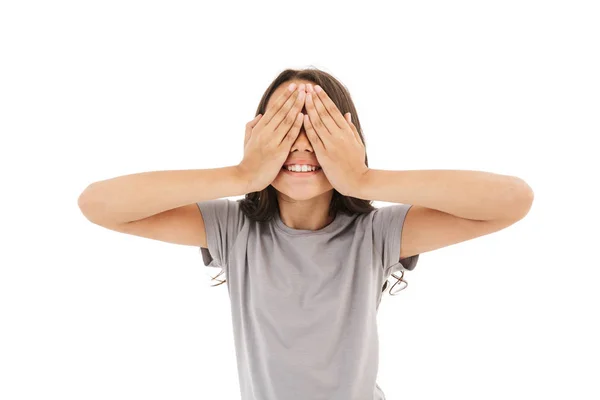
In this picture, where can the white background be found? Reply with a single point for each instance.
(93, 90)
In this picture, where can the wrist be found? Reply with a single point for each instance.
(245, 178)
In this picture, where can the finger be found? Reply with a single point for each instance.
(293, 132)
(315, 118)
(354, 130)
(284, 113)
(249, 126)
(280, 107)
(329, 105)
(329, 123)
(314, 138)
(291, 116)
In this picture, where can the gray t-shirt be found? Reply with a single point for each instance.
(304, 303)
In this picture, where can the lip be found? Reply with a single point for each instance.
(303, 161)
(301, 174)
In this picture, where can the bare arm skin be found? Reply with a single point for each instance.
(160, 205)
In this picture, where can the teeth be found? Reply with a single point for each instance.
(301, 168)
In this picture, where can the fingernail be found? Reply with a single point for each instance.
(318, 89)
(292, 87)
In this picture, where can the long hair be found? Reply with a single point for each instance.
(262, 206)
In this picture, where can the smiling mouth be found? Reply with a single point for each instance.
(284, 167)
(307, 173)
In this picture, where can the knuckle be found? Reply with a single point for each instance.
(279, 105)
(285, 103)
(289, 118)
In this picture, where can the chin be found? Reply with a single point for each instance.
(302, 192)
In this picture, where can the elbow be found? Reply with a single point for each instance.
(523, 199)
(86, 203)
(84, 197)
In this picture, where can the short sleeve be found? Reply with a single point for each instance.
(388, 222)
(222, 222)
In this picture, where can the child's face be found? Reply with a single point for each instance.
(300, 187)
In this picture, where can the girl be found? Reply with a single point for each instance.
(307, 256)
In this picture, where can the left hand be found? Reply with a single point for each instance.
(337, 144)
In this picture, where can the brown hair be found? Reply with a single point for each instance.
(262, 206)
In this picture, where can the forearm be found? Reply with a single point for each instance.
(467, 194)
(137, 196)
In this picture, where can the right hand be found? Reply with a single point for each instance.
(269, 138)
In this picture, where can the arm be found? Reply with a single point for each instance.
(448, 207)
(134, 197)
(474, 195)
